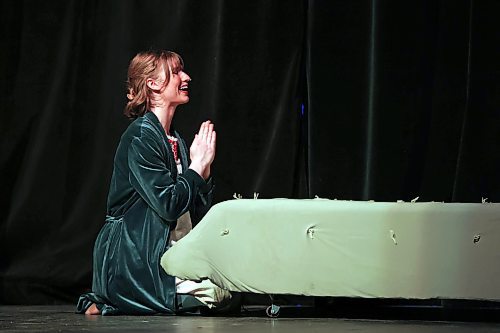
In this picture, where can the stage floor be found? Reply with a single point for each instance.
(61, 318)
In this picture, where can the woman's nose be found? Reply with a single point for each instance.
(185, 76)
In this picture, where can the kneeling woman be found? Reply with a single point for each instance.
(156, 188)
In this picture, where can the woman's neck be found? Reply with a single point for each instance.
(165, 114)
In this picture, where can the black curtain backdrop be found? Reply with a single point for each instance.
(355, 100)
(405, 102)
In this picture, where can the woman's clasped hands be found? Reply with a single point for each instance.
(202, 151)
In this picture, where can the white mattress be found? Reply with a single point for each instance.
(345, 248)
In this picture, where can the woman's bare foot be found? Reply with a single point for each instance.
(92, 310)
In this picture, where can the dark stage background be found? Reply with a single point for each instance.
(352, 99)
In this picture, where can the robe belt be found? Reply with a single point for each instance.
(113, 219)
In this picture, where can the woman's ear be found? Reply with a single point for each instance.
(152, 84)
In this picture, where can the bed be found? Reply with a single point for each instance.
(319, 247)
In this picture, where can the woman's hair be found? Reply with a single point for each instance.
(143, 66)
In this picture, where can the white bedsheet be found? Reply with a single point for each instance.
(345, 248)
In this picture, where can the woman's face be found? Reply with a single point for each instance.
(177, 90)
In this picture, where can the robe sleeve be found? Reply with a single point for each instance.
(203, 202)
(152, 179)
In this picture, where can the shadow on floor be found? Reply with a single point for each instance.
(287, 306)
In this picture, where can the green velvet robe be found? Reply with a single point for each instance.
(146, 197)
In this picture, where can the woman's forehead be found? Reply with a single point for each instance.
(175, 63)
